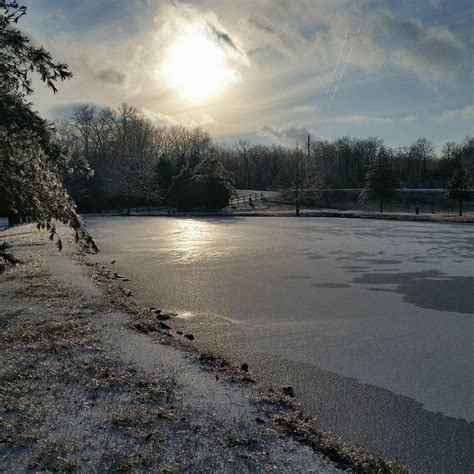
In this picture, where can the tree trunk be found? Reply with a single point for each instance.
(247, 167)
(460, 208)
(381, 205)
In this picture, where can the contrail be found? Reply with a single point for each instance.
(350, 53)
(349, 29)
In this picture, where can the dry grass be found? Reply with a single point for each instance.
(49, 336)
(53, 456)
(142, 423)
(287, 417)
(40, 293)
(57, 376)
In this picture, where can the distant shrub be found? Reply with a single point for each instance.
(208, 186)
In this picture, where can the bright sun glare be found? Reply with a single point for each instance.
(196, 67)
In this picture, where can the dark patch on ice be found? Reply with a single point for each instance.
(430, 289)
(354, 267)
(385, 261)
(317, 257)
(331, 285)
(295, 277)
(385, 270)
(421, 260)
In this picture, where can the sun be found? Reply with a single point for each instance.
(196, 66)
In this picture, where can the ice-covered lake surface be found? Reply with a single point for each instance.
(371, 321)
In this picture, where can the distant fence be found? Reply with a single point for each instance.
(422, 201)
(409, 207)
(247, 198)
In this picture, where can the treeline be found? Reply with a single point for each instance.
(136, 163)
(344, 162)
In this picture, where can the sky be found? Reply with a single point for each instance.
(269, 71)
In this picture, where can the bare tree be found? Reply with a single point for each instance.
(243, 149)
(302, 178)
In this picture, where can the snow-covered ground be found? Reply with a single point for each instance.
(370, 321)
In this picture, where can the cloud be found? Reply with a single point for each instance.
(178, 19)
(305, 109)
(191, 120)
(285, 40)
(65, 111)
(357, 119)
(196, 120)
(223, 36)
(290, 135)
(112, 76)
(457, 114)
(432, 52)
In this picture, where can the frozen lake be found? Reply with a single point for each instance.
(371, 321)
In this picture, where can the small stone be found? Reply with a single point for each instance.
(288, 391)
(164, 326)
(244, 367)
(125, 279)
(162, 317)
(157, 311)
(113, 261)
(189, 336)
(179, 332)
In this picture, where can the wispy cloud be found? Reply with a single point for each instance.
(305, 109)
(367, 120)
(186, 120)
(465, 113)
(291, 135)
(177, 19)
(112, 75)
(281, 38)
(432, 52)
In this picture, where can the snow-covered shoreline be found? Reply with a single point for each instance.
(467, 218)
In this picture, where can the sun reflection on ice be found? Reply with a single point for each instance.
(194, 241)
(191, 243)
